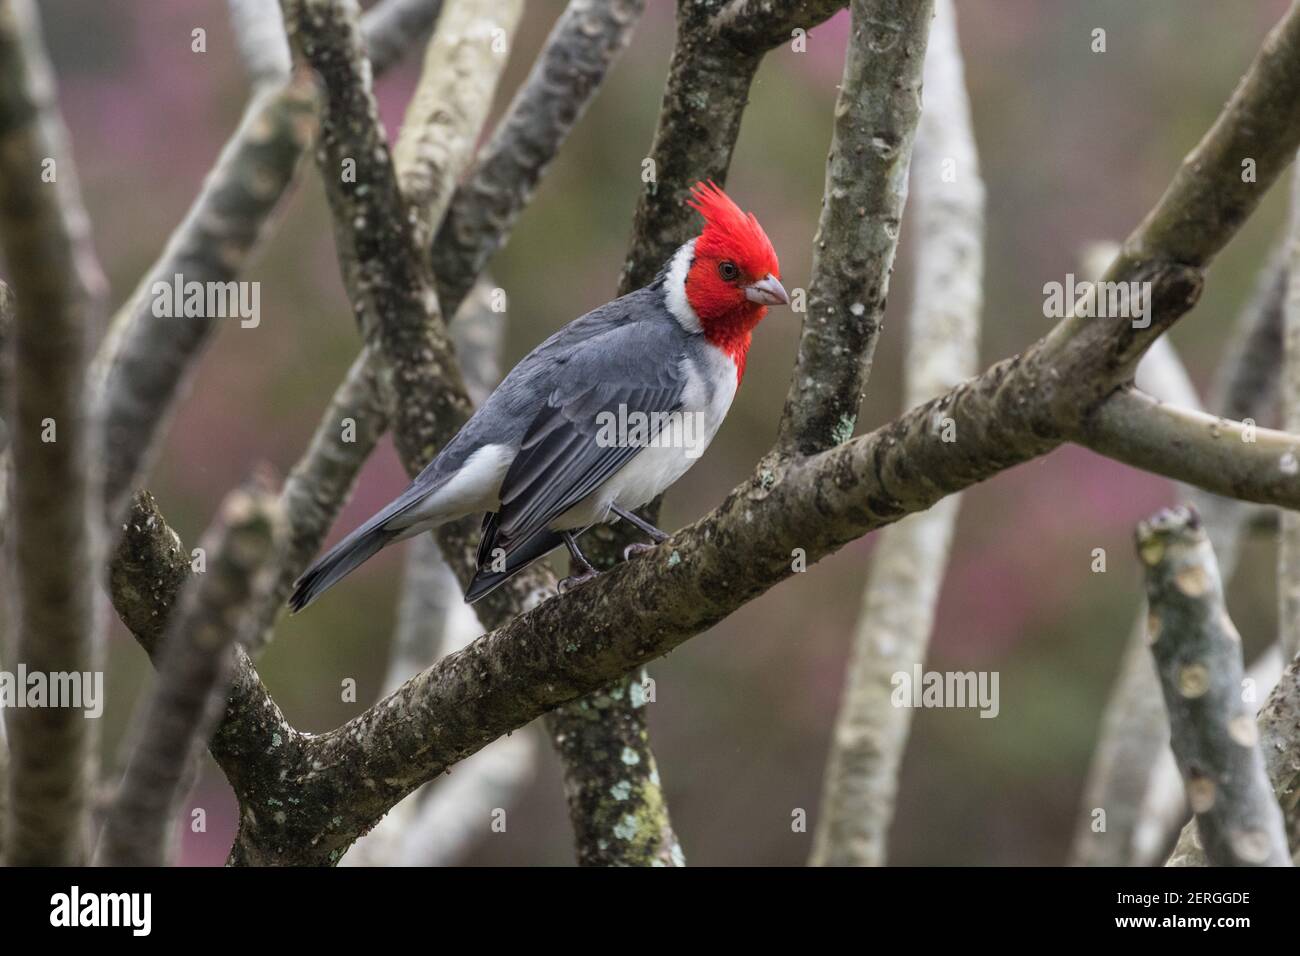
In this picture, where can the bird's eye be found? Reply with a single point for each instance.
(728, 271)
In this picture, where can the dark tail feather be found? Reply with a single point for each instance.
(344, 558)
(518, 556)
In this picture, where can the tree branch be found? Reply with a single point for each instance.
(259, 38)
(876, 114)
(1133, 777)
(1215, 736)
(59, 291)
(908, 564)
(176, 719)
(390, 290)
(699, 121)
(1226, 457)
(145, 360)
(461, 67)
(583, 45)
(570, 646)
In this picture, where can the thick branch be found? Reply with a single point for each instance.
(148, 572)
(174, 722)
(59, 292)
(908, 565)
(876, 114)
(1214, 734)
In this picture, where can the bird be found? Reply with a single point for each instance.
(596, 421)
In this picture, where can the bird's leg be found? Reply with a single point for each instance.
(645, 527)
(579, 560)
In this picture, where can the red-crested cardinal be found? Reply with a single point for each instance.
(597, 420)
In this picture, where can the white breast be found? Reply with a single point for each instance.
(710, 387)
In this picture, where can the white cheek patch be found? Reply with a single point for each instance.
(675, 289)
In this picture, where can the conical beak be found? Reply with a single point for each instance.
(767, 291)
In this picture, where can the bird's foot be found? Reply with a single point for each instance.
(575, 580)
(637, 547)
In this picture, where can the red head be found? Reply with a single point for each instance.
(735, 276)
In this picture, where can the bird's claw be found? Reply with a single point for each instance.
(635, 548)
(574, 580)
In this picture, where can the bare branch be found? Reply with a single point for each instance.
(53, 497)
(1133, 777)
(145, 361)
(1215, 736)
(1225, 457)
(876, 114)
(438, 823)
(611, 780)
(259, 37)
(148, 573)
(146, 357)
(583, 45)
(464, 71)
(461, 68)
(696, 133)
(1278, 719)
(390, 290)
(391, 27)
(756, 26)
(908, 564)
(174, 722)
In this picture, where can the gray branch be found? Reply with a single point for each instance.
(1214, 734)
(259, 38)
(53, 496)
(908, 564)
(461, 68)
(1132, 771)
(583, 45)
(876, 115)
(175, 720)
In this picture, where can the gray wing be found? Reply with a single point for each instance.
(561, 460)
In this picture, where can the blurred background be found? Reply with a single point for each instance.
(1074, 146)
